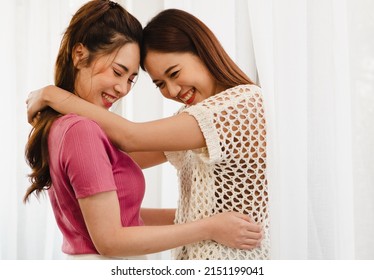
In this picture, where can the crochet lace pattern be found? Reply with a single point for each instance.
(227, 175)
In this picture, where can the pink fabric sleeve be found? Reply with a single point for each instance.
(85, 159)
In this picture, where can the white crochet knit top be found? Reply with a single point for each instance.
(229, 174)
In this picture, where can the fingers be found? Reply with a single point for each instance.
(248, 243)
(29, 117)
(35, 119)
(249, 246)
(244, 233)
(245, 217)
(250, 224)
(27, 101)
(254, 241)
(32, 117)
(253, 236)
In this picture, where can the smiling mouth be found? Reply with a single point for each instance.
(188, 97)
(108, 100)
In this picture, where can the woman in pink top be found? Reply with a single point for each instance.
(95, 189)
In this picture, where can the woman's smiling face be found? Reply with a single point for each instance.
(108, 78)
(182, 77)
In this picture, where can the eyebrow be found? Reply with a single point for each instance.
(167, 71)
(125, 68)
(170, 68)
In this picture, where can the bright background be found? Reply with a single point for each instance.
(315, 62)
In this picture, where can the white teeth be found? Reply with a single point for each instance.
(108, 98)
(188, 96)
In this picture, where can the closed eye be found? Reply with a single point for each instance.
(174, 74)
(159, 85)
(132, 79)
(117, 73)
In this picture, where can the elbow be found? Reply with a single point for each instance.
(112, 250)
(113, 246)
(108, 245)
(107, 249)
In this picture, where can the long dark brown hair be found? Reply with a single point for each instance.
(177, 31)
(102, 27)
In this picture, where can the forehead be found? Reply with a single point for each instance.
(157, 62)
(128, 55)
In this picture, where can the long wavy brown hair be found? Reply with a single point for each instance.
(176, 31)
(102, 27)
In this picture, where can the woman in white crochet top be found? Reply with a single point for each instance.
(217, 140)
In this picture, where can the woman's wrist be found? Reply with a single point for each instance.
(206, 227)
(46, 95)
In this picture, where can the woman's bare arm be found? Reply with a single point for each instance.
(180, 132)
(157, 216)
(102, 216)
(148, 159)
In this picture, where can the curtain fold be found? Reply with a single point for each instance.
(361, 46)
(8, 149)
(33, 32)
(303, 55)
(279, 40)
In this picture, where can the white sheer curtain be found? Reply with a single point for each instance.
(30, 38)
(314, 61)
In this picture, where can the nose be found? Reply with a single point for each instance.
(121, 89)
(173, 89)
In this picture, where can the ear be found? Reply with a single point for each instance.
(79, 53)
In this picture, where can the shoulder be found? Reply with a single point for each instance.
(242, 95)
(71, 120)
(76, 135)
(74, 124)
(240, 92)
(229, 98)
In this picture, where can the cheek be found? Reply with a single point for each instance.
(165, 93)
(208, 84)
(84, 85)
(167, 96)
